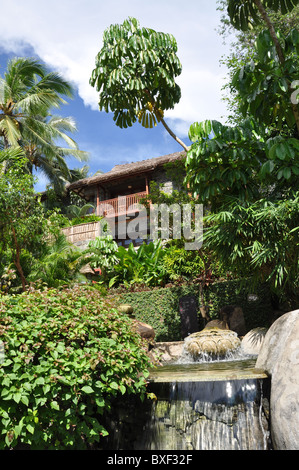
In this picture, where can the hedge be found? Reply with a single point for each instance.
(159, 307)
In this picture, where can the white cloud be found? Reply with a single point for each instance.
(67, 35)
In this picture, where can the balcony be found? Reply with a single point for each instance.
(122, 205)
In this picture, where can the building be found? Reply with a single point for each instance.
(116, 194)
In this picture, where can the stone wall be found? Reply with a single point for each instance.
(165, 183)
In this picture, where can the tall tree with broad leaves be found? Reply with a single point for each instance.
(135, 75)
(245, 13)
(247, 174)
(28, 94)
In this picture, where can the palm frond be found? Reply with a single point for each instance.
(21, 74)
(10, 129)
(11, 153)
(54, 82)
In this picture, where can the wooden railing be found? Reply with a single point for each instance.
(79, 234)
(120, 205)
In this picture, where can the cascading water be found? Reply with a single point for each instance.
(218, 415)
(205, 404)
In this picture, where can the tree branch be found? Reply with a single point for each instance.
(179, 141)
(173, 135)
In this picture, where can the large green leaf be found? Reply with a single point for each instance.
(135, 74)
(244, 13)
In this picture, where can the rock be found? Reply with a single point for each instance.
(126, 308)
(234, 317)
(146, 331)
(211, 341)
(222, 325)
(279, 357)
(168, 351)
(253, 340)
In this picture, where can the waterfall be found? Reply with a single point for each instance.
(208, 405)
(218, 415)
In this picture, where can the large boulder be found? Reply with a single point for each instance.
(253, 340)
(234, 317)
(168, 352)
(146, 331)
(279, 357)
(222, 325)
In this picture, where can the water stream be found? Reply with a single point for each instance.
(219, 405)
(207, 405)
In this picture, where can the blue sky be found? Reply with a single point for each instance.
(67, 34)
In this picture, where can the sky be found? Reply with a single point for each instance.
(67, 35)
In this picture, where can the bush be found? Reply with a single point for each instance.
(67, 354)
(127, 267)
(85, 219)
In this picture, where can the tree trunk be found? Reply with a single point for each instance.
(173, 135)
(17, 260)
(279, 51)
(204, 310)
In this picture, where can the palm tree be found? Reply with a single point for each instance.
(60, 264)
(28, 93)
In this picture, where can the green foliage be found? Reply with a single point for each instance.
(263, 84)
(282, 166)
(127, 266)
(246, 174)
(142, 266)
(84, 219)
(159, 307)
(31, 244)
(59, 264)
(181, 264)
(67, 355)
(224, 160)
(242, 49)
(22, 222)
(103, 253)
(28, 95)
(79, 211)
(261, 240)
(135, 74)
(245, 13)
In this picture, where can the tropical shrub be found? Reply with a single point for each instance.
(260, 239)
(180, 263)
(59, 264)
(84, 219)
(103, 254)
(67, 353)
(23, 226)
(127, 266)
(141, 266)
